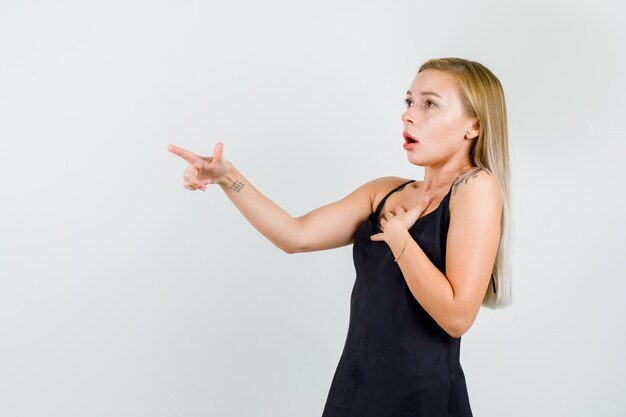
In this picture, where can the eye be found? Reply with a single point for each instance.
(408, 102)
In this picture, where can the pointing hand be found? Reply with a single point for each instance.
(202, 170)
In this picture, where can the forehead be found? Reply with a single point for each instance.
(443, 83)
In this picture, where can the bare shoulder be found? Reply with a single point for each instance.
(381, 186)
(478, 188)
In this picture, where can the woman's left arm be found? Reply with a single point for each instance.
(453, 299)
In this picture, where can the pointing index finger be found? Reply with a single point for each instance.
(183, 153)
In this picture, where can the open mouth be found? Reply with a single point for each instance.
(409, 139)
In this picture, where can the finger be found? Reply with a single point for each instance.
(193, 186)
(200, 169)
(188, 156)
(218, 151)
(198, 184)
(399, 210)
(422, 204)
(192, 174)
(377, 237)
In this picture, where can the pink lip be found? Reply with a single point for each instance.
(406, 136)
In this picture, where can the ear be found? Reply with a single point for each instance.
(473, 129)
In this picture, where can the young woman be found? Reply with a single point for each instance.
(428, 253)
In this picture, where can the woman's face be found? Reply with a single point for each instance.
(435, 117)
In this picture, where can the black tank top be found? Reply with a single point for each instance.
(397, 361)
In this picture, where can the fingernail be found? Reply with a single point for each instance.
(426, 199)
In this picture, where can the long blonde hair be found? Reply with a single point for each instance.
(483, 97)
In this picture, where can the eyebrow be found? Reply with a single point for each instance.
(426, 93)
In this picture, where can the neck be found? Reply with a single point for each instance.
(436, 178)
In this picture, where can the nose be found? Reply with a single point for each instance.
(406, 117)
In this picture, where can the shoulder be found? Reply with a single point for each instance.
(375, 190)
(381, 186)
(477, 189)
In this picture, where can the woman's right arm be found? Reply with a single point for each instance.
(262, 213)
(326, 227)
(330, 226)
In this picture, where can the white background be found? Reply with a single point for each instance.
(123, 294)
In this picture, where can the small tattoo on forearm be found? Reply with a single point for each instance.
(237, 186)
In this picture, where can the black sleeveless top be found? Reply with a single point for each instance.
(397, 361)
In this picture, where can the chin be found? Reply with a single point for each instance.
(415, 160)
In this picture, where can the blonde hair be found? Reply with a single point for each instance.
(483, 97)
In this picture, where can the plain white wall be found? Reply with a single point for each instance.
(123, 294)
